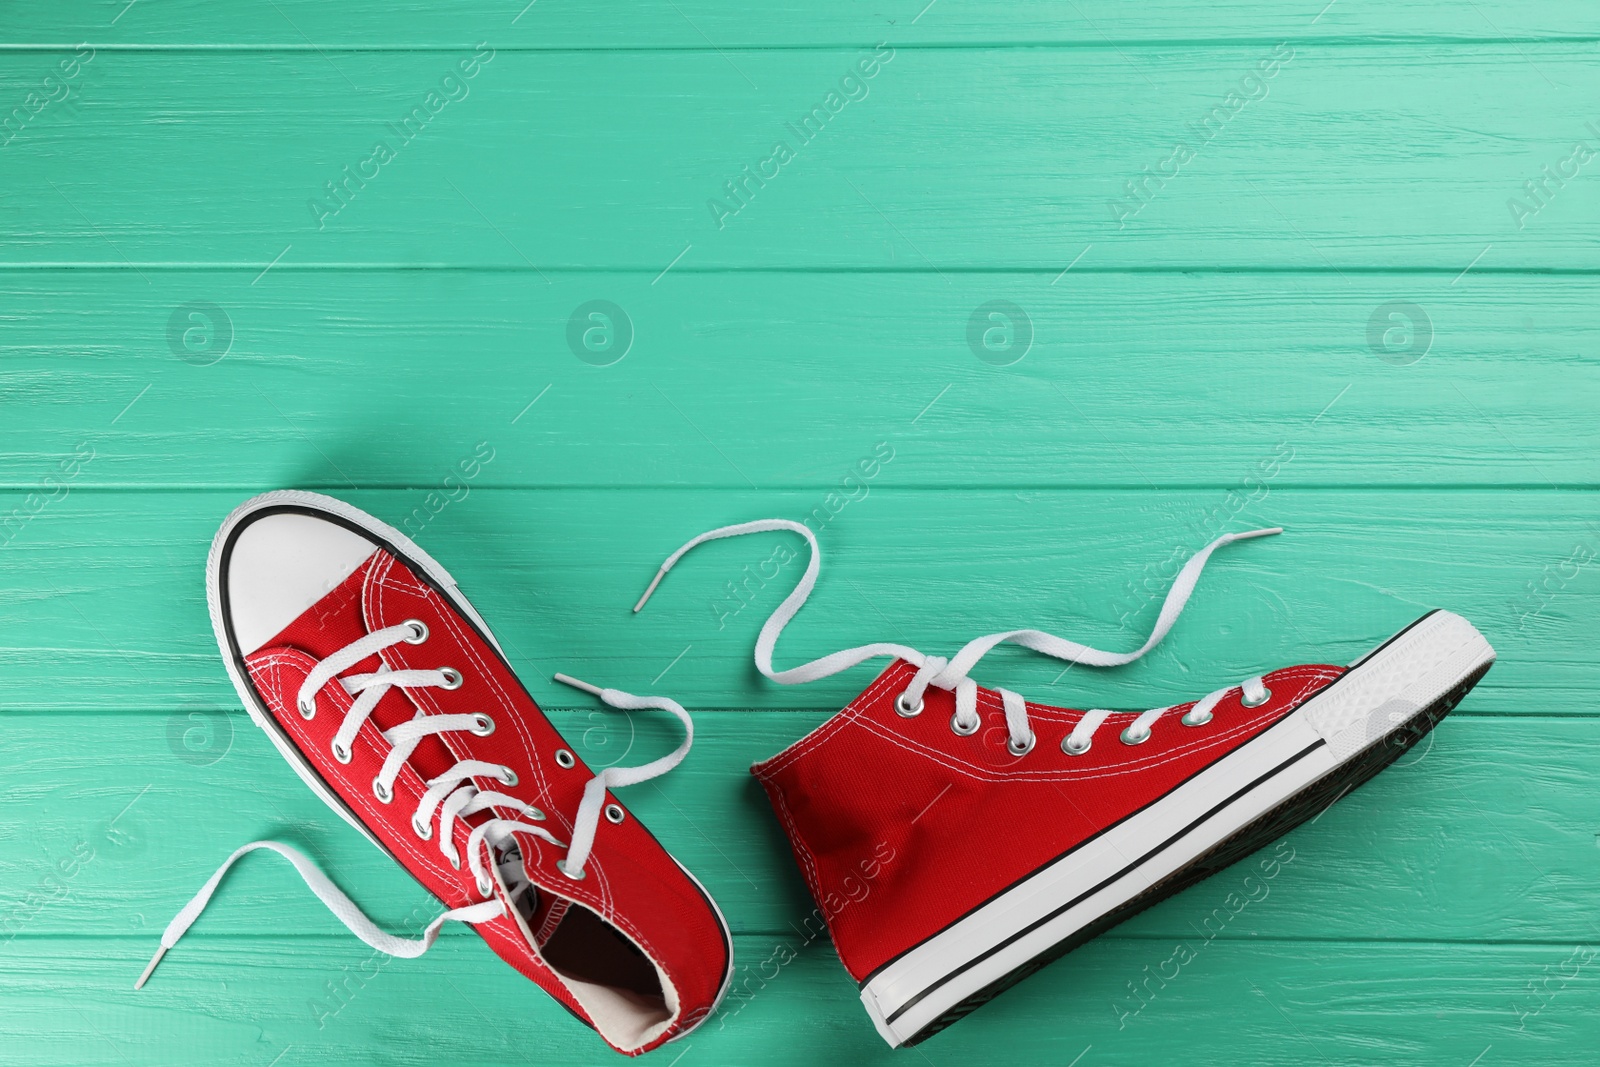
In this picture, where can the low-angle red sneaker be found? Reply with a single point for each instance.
(389, 696)
(958, 838)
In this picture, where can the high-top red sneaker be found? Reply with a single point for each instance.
(1084, 817)
(387, 693)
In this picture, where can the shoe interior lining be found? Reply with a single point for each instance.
(625, 994)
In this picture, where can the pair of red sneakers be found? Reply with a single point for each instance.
(391, 698)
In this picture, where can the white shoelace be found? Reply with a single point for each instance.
(452, 795)
(952, 674)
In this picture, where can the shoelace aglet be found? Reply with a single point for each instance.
(660, 574)
(567, 679)
(151, 966)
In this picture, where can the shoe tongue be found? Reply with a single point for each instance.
(548, 912)
(341, 617)
(386, 574)
(542, 911)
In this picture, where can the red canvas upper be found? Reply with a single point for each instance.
(901, 826)
(631, 882)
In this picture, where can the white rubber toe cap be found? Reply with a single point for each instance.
(281, 564)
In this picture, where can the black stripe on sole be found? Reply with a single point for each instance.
(1109, 879)
(998, 894)
(1267, 828)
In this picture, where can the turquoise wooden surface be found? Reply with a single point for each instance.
(1347, 313)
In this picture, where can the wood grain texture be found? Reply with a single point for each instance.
(1444, 847)
(1350, 158)
(116, 580)
(1356, 1003)
(790, 380)
(1347, 314)
(703, 24)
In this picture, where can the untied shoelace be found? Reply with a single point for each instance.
(953, 674)
(452, 795)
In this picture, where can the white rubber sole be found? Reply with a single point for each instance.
(262, 716)
(1402, 682)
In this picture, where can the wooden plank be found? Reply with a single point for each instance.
(1217, 350)
(108, 588)
(1350, 158)
(307, 1000)
(701, 24)
(784, 380)
(142, 816)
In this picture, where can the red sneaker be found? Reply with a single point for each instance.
(387, 693)
(1084, 817)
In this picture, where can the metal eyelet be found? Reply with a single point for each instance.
(419, 629)
(1025, 749)
(308, 709)
(533, 813)
(452, 678)
(423, 830)
(1266, 695)
(508, 777)
(562, 867)
(1195, 718)
(905, 710)
(614, 813)
(482, 725)
(1136, 735)
(383, 794)
(565, 760)
(486, 890)
(340, 753)
(1075, 748)
(959, 730)
(455, 861)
